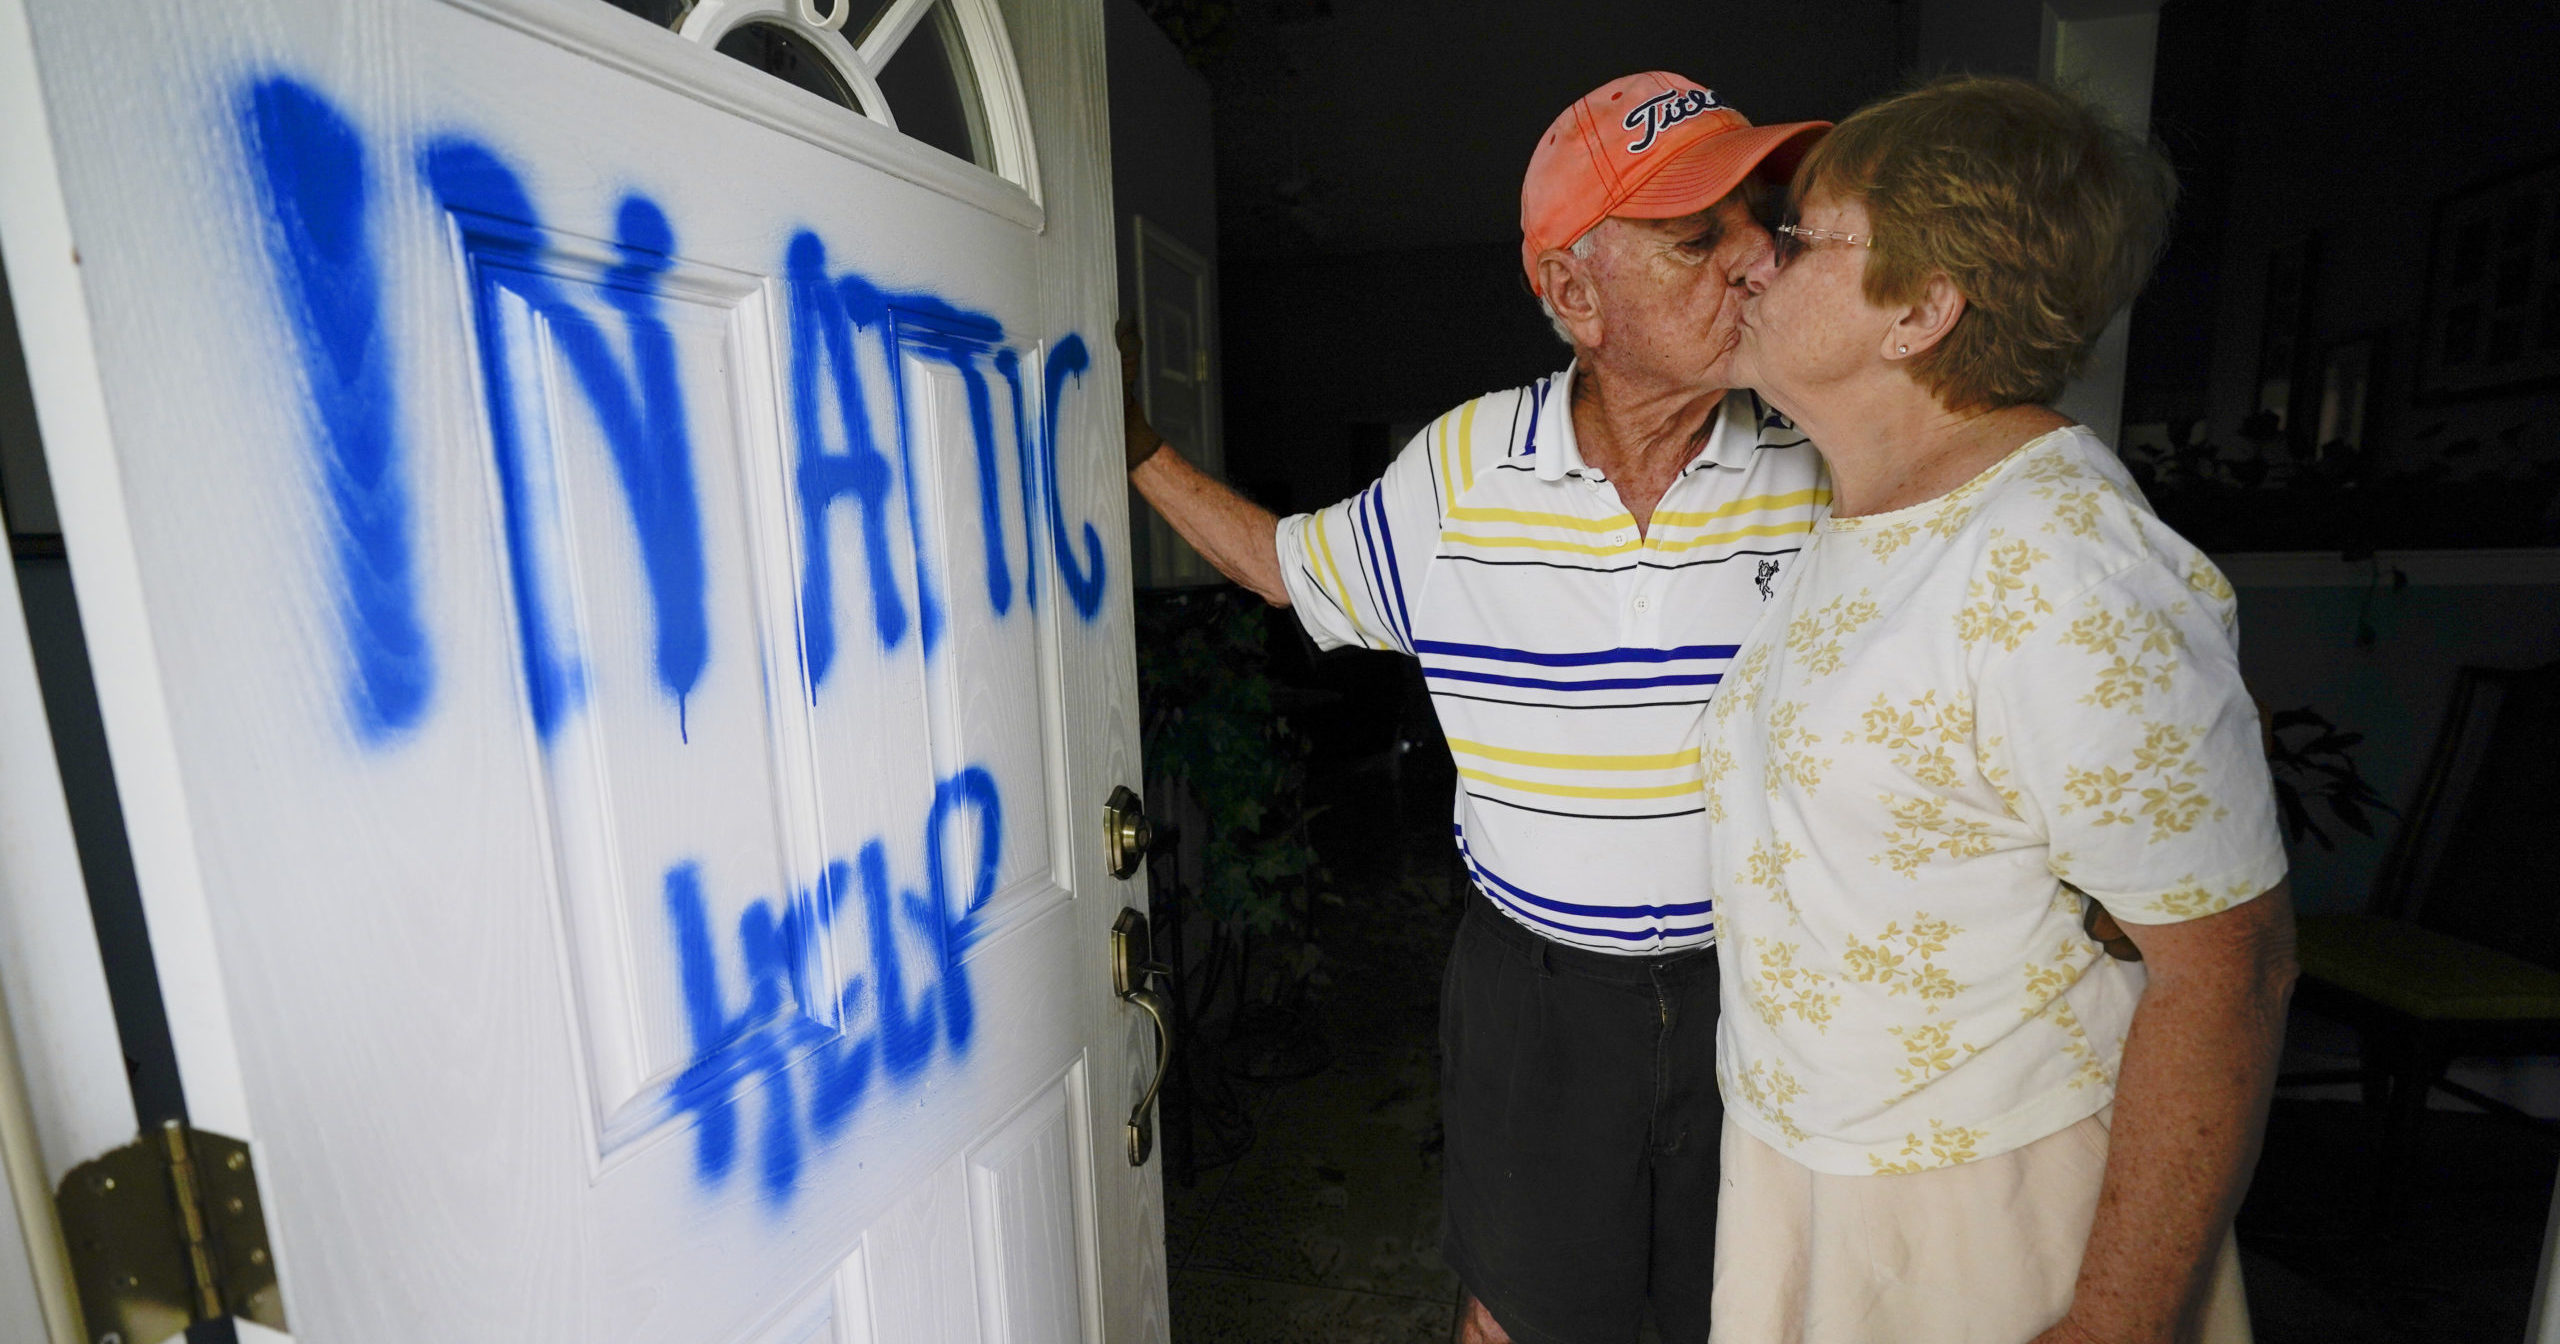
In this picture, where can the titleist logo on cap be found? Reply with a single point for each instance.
(1663, 111)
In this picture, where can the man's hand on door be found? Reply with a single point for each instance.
(1139, 437)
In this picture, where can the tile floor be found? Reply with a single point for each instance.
(1328, 1228)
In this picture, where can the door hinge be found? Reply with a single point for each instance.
(168, 1231)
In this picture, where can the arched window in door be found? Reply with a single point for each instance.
(938, 71)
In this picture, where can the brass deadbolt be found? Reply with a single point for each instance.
(1126, 833)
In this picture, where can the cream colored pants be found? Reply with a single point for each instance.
(1982, 1253)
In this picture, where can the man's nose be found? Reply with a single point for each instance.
(1754, 267)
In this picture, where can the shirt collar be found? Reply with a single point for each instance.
(1743, 425)
(1558, 453)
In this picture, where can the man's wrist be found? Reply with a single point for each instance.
(2069, 1330)
(1144, 446)
(1139, 439)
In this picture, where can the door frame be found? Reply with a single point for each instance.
(1170, 560)
(1146, 234)
(51, 980)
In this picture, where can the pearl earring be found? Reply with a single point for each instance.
(1902, 349)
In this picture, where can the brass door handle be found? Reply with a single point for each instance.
(1130, 971)
(1126, 832)
(1142, 1130)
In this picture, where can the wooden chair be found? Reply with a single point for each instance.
(2461, 954)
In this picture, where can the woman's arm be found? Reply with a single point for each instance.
(2191, 1108)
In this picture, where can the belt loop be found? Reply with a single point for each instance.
(1546, 962)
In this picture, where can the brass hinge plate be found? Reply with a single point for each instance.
(167, 1231)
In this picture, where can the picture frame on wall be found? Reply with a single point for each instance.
(2284, 375)
(2342, 418)
(2491, 322)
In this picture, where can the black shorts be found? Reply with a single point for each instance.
(1578, 1091)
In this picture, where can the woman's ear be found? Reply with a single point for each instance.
(1927, 321)
(1565, 282)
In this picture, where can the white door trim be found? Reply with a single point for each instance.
(34, 1225)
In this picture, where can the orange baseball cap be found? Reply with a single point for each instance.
(1649, 146)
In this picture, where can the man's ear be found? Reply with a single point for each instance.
(1565, 282)
(1927, 321)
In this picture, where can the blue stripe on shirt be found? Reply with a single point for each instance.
(1371, 522)
(1537, 402)
(1571, 908)
(1364, 558)
(1492, 654)
(1395, 574)
(1486, 882)
(1599, 684)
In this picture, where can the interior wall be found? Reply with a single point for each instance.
(1327, 353)
(1164, 169)
(2298, 648)
(1981, 37)
(2202, 54)
(1370, 154)
(1163, 153)
(1356, 126)
(2352, 130)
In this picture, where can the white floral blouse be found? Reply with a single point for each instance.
(1957, 718)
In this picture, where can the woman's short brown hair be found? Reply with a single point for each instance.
(2044, 213)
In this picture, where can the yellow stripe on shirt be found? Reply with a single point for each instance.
(1585, 790)
(1481, 514)
(1753, 504)
(1324, 545)
(1557, 760)
(1793, 499)
(1800, 526)
(1790, 529)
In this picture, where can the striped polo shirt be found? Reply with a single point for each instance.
(1570, 659)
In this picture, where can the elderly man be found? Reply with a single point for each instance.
(1573, 562)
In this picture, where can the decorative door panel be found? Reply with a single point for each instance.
(628, 499)
(1028, 1200)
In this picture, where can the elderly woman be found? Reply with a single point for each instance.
(1995, 692)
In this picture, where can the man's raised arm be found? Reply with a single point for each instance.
(1237, 535)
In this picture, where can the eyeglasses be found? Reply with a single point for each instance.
(1792, 240)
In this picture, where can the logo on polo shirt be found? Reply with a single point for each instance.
(1663, 111)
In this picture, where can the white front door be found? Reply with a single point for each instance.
(594, 556)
